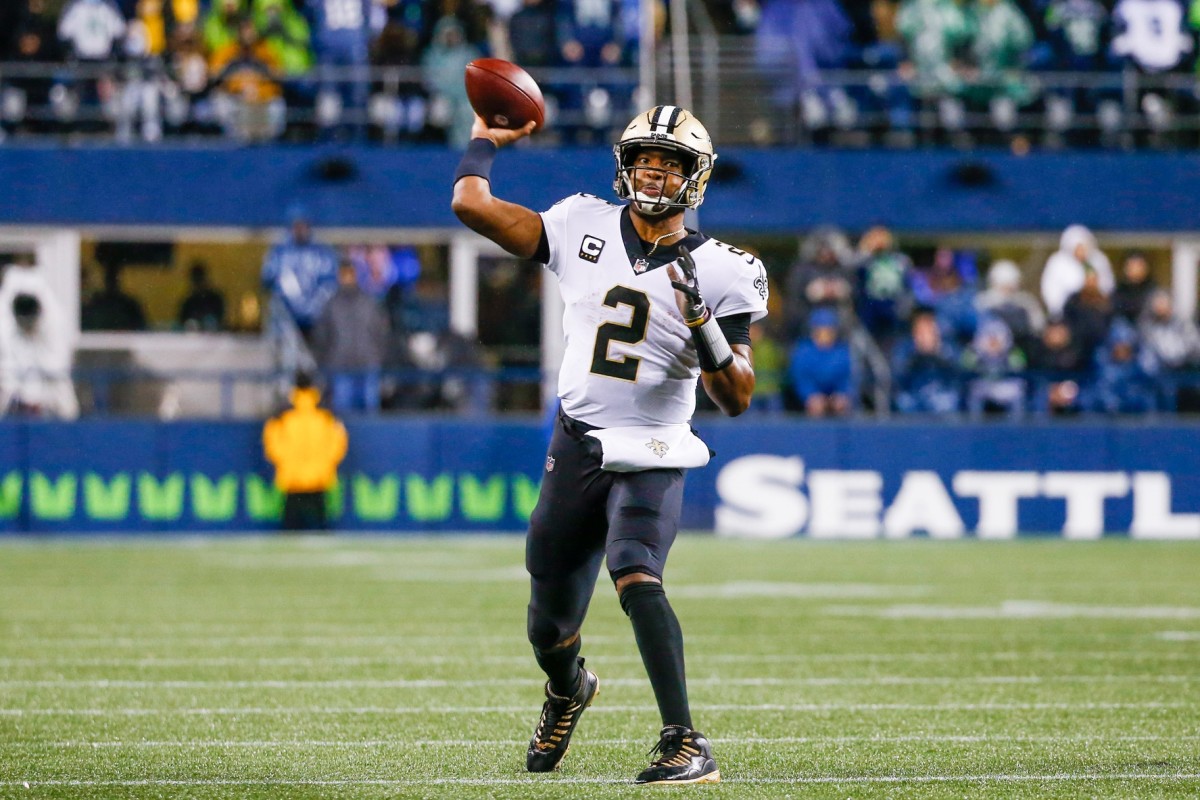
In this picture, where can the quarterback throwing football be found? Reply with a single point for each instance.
(650, 307)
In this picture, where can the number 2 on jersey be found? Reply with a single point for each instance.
(622, 367)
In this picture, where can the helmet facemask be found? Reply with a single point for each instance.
(676, 131)
(651, 206)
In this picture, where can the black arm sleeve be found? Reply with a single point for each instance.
(736, 328)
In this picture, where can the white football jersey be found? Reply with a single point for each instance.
(629, 357)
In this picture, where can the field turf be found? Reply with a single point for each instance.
(398, 667)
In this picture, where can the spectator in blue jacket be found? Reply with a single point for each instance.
(948, 287)
(301, 275)
(925, 370)
(820, 371)
(1125, 375)
(996, 385)
(341, 35)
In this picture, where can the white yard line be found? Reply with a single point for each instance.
(1017, 610)
(726, 743)
(438, 683)
(559, 780)
(608, 658)
(605, 709)
(15, 638)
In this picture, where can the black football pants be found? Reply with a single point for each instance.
(585, 515)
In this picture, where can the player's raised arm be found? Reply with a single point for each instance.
(514, 227)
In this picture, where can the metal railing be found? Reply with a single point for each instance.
(148, 101)
(257, 393)
(743, 103)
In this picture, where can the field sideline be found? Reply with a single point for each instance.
(372, 667)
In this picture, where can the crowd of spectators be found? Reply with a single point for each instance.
(375, 326)
(1122, 65)
(1089, 70)
(856, 328)
(867, 328)
(264, 69)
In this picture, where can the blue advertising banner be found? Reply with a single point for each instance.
(768, 479)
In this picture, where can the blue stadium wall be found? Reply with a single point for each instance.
(769, 479)
(769, 191)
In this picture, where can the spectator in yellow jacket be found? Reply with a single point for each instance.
(305, 443)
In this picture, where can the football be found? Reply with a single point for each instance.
(505, 95)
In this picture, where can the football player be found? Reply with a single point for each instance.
(650, 307)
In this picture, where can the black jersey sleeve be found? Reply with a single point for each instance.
(736, 328)
(542, 254)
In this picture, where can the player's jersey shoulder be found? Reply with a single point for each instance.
(726, 255)
(580, 201)
(745, 265)
(744, 274)
(579, 223)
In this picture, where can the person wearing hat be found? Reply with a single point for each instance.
(1005, 299)
(820, 372)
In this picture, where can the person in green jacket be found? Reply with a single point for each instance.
(285, 31)
(221, 26)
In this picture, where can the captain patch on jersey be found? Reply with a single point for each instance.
(624, 333)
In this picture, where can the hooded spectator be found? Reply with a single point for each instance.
(819, 279)
(306, 444)
(1004, 298)
(443, 65)
(996, 365)
(35, 361)
(1065, 270)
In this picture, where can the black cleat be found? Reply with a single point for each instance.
(552, 737)
(684, 757)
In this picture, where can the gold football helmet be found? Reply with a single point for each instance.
(668, 128)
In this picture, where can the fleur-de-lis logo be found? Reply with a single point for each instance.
(658, 448)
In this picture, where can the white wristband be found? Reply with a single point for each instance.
(713, 347)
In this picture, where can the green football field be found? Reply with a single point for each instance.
(397, 667)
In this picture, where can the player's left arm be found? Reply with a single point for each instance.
(726, 370)
(731, 386)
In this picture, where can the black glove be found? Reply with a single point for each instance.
(694, 309)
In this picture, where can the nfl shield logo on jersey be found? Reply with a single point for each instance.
(641, 265)
(549, 463)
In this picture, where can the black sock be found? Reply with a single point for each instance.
(660, 641)
(561, 667)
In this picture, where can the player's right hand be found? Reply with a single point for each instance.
(500, 136)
